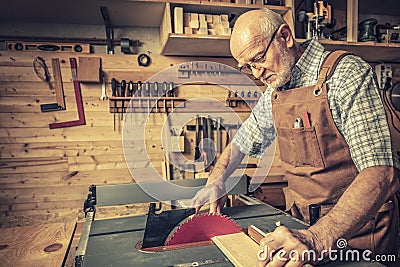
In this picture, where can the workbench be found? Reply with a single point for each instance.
(112, 241)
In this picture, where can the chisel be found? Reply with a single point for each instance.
(114, 94)
(123, 90)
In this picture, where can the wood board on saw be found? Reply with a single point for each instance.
(240, 249)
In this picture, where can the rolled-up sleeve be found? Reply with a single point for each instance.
(257, 132)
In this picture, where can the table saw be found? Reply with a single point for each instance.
(118, 241)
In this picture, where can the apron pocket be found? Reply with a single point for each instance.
(287, 149)
(307, 147)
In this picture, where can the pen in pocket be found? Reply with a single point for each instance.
(307, 122)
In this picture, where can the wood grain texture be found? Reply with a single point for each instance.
(39, 245)
(240, 249)
(39, 167)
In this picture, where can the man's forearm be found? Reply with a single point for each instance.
(369, 190)
(230, 159)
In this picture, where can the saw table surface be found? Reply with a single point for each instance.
(112, 241)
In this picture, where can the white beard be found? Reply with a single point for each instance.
(283, 76)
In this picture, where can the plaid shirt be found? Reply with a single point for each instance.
(355, 105)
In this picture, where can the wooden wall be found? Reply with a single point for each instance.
(44, 173)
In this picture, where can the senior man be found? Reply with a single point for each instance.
(334, 141)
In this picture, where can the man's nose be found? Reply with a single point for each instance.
(257, 71)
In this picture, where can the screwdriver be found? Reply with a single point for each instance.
(147, 94)
(164, 94)
(139, 93)
(171, 93)
(130, 88)
(123, 90)
(156, 94)
(114, 94)
(130, 94)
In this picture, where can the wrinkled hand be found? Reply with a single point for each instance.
(213, 193)
(285, 247)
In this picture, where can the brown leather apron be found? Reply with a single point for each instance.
(317, 161)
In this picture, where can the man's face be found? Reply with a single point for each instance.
(270, 64)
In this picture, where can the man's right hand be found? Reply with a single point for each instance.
(213, 193)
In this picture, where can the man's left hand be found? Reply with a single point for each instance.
(285, 247)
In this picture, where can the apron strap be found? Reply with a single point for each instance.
(328, 67)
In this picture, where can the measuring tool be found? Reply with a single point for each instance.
(78, 96)
(60, 105)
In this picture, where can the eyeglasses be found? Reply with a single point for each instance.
(248, 68)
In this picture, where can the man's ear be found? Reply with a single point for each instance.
(286, 35)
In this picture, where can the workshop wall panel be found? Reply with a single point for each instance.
(45, 173)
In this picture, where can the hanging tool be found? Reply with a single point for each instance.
(109, 30)
(123, 90)
(197, 153)
(164, 95)
(205, 150)
(38, 64)
(210, 142)
(147, 94)
(60, 105)
(144, 60)
(114, 85)
(130, 88)
(218, 139)
(316, 16)
(78, 96)
(156, 94)
(103, 87)
(171, 94)
(139, 93)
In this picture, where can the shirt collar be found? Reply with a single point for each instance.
(310, 61)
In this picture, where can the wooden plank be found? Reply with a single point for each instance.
(37, 165)
(40, 245)
(27, 218)
(86, 178)
(38, 119)
(240, 249)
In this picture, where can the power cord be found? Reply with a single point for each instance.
(387, 101)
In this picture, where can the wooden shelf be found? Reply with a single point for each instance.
(173, 44)
(196, 45)
(369, 51)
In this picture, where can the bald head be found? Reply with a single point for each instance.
(253, 28)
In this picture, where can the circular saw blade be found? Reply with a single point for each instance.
(202, 228)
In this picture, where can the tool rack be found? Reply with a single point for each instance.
(145, 104)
